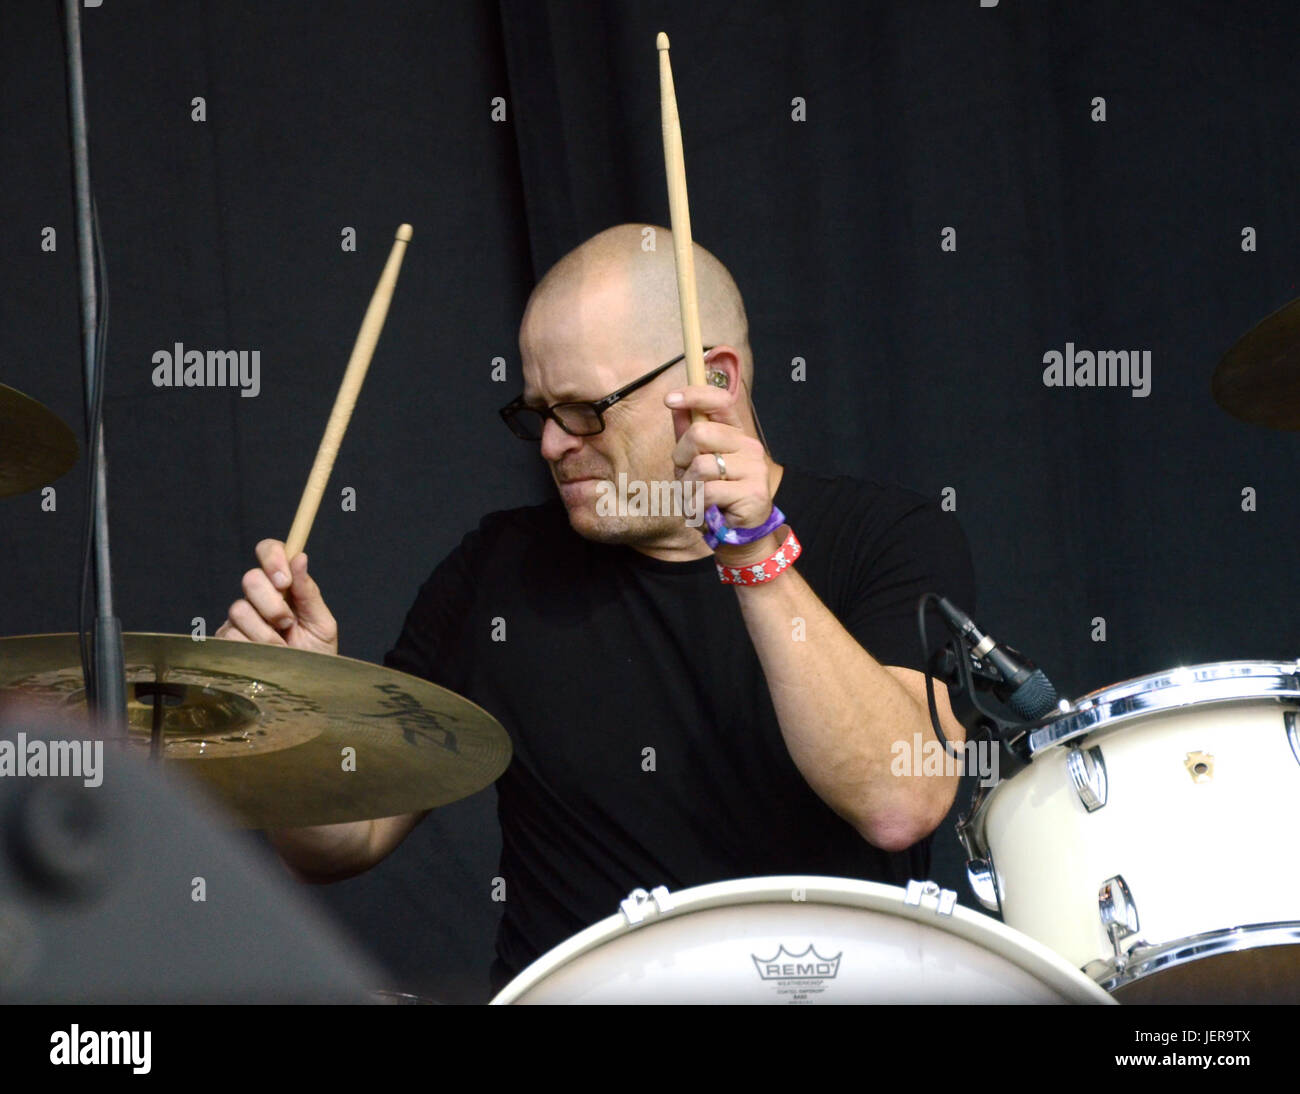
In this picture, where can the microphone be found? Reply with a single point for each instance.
(1024, 687)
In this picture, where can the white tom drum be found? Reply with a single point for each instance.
(800, 940)
(1152, 839)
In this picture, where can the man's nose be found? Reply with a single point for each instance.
(556, 443)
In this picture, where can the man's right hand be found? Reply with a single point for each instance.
(281, 605)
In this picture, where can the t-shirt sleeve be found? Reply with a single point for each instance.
(922, 551)
(432, 643)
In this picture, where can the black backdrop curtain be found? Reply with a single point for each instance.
(924, 365)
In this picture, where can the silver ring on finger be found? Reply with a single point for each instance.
(722, 466)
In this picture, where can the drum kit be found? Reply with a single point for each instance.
(1138, 852)
(1138, 857)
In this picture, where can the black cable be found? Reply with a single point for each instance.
(921, 606)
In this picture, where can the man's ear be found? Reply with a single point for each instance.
(722, 361)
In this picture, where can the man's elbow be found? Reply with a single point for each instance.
(319, 876)
(894, 834)
(897, 828)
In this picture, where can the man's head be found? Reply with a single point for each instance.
(604, 315)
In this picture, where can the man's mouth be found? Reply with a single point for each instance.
(569, 479)
(577, 490)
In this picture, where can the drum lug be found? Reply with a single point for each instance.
(1293, 733)
(1087, 772)
(916, 890)
(979, 876)
(979, 861)
(640, 905)
(1119, 915)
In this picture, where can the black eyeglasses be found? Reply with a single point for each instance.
(576, 419)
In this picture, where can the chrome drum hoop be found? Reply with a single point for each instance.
(1187, 686)
(1143, 961)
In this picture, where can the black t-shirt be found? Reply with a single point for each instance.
(593, 654)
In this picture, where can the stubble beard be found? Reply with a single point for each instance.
(619, 529)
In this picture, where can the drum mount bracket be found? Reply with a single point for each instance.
(917, 891)
(640, 905)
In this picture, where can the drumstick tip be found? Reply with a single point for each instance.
(404, 233)
(661, 42)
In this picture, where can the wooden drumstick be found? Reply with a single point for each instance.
(679, 212)
(346, 399)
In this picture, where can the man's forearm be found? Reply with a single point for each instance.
(840, 713)
(329, 852)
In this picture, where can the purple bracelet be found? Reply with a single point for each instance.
(719, 533)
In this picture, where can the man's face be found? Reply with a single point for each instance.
(579, 346)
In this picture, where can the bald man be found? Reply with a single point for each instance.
(683, 709)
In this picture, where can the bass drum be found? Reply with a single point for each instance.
(800, 940)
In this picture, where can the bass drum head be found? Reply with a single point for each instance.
(801, 940)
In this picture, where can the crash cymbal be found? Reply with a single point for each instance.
(1258, 380)
(35, 446)
(268, 729)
